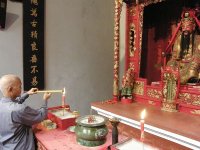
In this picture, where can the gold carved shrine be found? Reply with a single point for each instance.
(162, 49)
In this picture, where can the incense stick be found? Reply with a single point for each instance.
(50, 91)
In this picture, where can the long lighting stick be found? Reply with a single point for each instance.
(50, 91)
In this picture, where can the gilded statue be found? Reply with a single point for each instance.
(127, 84)
(185, 53)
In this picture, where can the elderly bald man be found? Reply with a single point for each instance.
(17, 118)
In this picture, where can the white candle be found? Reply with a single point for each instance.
(63, 97)
(63, 100)
(142, 125)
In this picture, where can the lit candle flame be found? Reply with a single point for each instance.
(143, 114)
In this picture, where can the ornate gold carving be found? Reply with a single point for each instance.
(132, 11)
(132, 47)
(118, 7)
(150, 2)
(140, 31)
(170, 88)
(191, 99)
(132, 66)
(154, 93)
(169, 91)
(170, 107)
(138, 88)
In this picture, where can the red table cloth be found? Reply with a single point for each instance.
(57, 139)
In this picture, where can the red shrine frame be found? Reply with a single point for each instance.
(160, 87)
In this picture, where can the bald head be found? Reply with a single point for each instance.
(8, 84)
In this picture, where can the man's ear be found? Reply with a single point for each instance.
(10, 88)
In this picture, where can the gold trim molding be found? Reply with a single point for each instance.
(188, 98)
(138, 88)
(153, 93)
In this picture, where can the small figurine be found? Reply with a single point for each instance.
(127, 84)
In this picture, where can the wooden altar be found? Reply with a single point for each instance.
(173, 106)
(164, 130)
(57, 139)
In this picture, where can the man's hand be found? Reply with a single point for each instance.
(46, 96)
(32, 91)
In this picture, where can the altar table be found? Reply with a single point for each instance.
(161, 128)
(57, 139)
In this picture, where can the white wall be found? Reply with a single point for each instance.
(78, 50)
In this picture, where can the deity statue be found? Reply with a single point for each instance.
(127, 84)
(186, 48)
